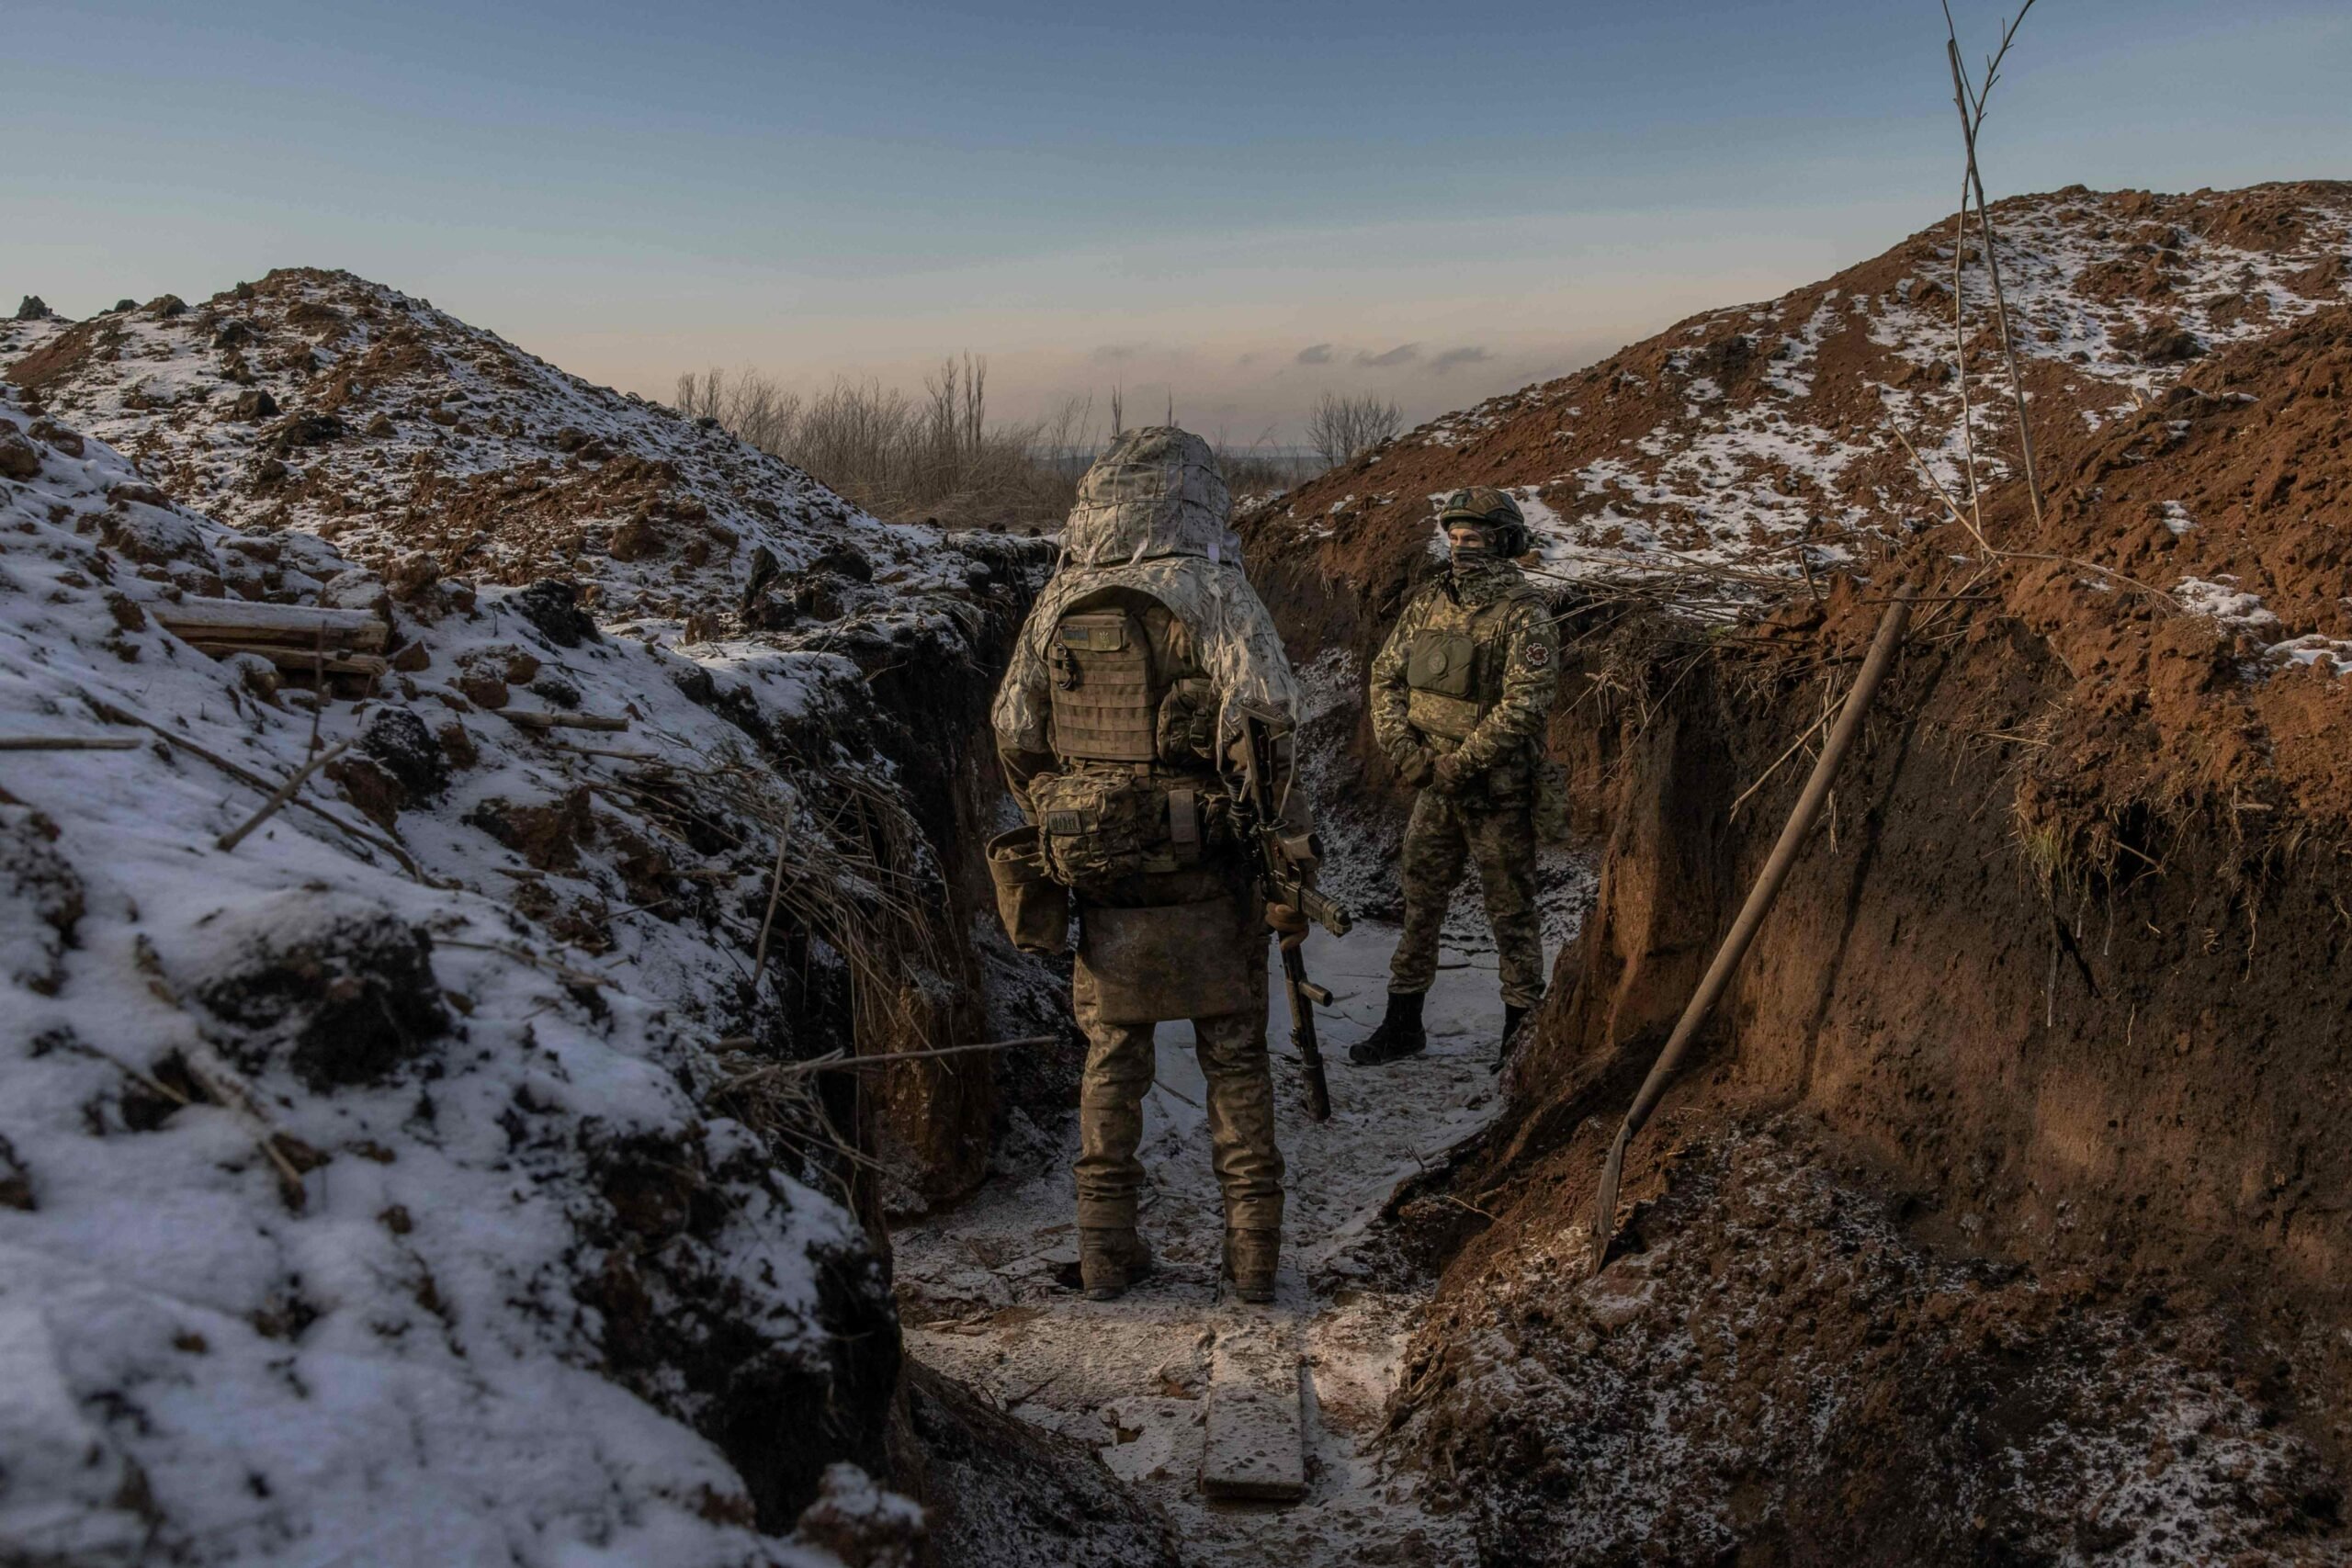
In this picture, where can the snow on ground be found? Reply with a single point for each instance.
(327, 1185)
(324, 401)
(1735, 464)
(984, 1293)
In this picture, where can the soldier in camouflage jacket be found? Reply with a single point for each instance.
(1461, 695)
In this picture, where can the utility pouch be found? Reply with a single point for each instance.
(1033, 907)
(1097, 825)
(1172, 961)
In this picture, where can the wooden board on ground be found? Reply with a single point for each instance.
(1255, 1447)
(247, 621)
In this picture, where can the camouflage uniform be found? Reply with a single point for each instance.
(1490, 718)
(1149, 547)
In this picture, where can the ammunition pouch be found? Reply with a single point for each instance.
(1033, 907)
(1173, 961)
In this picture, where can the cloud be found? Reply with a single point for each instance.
(1317, 353)
(1469, 354)
(1111, 352)
(1403, 354)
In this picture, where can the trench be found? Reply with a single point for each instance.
(983, 1240)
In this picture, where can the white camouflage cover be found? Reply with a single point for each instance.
(1152, 514)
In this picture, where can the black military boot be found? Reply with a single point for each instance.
(1110, 1261)
(1513, 1018)
(1250, 1256)
(1399, 1033)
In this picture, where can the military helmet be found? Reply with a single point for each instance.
(1492, 510)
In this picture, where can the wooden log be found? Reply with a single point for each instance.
(526, 719)
(301, 660)
(70, 743)
(249, 621)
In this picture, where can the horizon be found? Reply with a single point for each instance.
(1095, 204)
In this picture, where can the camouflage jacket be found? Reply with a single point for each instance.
(1491, 714)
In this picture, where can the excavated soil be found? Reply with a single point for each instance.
(2001, 1216)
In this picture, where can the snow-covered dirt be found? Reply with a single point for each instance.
(986, 1296)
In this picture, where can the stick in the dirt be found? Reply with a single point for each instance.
(276, 803)
(113, 714)
(1751, 915)
(68, 743)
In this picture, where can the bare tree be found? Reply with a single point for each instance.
(1118, 412)
(747, 404)
(934, 457)
(1342, 428)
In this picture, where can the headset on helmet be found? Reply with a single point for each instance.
(1494, 510)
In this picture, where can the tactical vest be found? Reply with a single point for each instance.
(1113, 810)
(1444, 694)
(1105, 699)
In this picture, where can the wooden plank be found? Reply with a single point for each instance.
(236, 620)
(70, 742)
(1255, 1449)
(301, 660)
(526, 719)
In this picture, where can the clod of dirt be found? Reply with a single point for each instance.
(16, 1185)
(347, 1001)
(552, 605)
(844, 560)
(549, 835)
(406, 750)
(310, 430)
(19, 458)
(56, 435)
(41, 901)
(860, 1523)
(251, 405)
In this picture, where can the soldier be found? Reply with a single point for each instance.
(1459, 697)
(1124, 694)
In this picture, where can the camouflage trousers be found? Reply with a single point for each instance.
(1442, 834)
(1119, 1065)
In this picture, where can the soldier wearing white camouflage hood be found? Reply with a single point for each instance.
(1115, 726)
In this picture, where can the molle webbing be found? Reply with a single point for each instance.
(1106, 705)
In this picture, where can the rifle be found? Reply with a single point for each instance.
(1280, 861)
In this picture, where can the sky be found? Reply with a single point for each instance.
(1228, 208)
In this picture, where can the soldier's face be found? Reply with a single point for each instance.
(1467, 541)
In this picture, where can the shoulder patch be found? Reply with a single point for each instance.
(1536, 654)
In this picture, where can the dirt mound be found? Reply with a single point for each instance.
(2060, 976)
(405, 430)
(1781, 1371)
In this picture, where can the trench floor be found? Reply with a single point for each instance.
(981, 1286)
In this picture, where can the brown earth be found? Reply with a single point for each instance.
(2003, 1217)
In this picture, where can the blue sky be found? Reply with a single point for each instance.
(1445, 201)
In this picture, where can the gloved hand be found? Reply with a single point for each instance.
(1449, 774)
(1286, 920)
(1417, 767)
